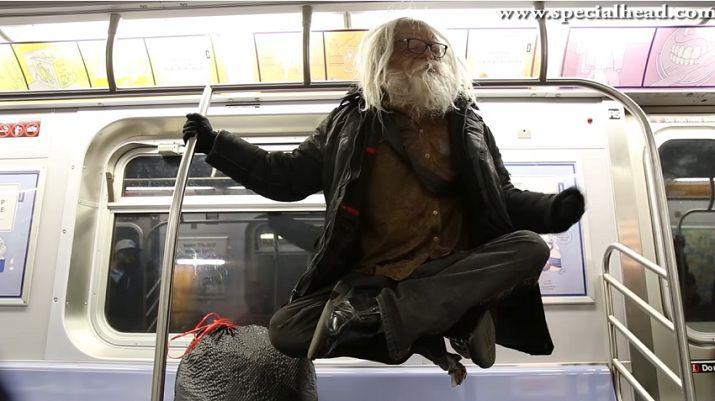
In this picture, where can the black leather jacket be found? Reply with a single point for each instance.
(332, 159)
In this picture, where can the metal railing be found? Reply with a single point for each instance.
(614, 325)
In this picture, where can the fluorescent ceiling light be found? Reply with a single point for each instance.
(693, 180)
(57, 32)
(152, 189)
(145, 189)
(440, 18)
(201, 262)
(225, 24)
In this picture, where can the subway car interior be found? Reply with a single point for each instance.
(611, 98)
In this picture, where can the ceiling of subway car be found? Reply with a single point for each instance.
(54, 8)
(83, 28)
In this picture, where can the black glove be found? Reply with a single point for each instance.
(566, 209)
(199, 126)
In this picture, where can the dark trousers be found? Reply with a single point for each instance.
(440, 298)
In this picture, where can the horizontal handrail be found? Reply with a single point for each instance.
(632, 380)
(609, 281)
(639, 301)
(653, 358)
(633, 255)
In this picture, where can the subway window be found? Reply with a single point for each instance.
(242, 265)
(155, 175)
(688, 169)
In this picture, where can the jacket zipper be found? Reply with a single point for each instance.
(344, 182)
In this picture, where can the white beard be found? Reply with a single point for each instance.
(427, 91)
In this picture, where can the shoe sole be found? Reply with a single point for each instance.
(482, 348)
(321, 329)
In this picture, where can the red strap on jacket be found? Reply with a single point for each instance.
(203, 329)
(349, 209)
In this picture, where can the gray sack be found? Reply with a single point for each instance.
(241, 364)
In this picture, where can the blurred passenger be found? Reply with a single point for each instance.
(125, 292)
(425, 236)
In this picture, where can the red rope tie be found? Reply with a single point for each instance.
(371, 150)
(203, 329)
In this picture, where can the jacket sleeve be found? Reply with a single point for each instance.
(279, 176)
(528, 210)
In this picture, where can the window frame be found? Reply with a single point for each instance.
(120, 205)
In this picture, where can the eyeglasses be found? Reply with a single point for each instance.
(418, 46)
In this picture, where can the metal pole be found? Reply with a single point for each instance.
(307, 21)
(612, 340)
(109, 51)
(543, 44)
(167, 268)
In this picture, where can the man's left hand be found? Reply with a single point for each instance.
(567, 208)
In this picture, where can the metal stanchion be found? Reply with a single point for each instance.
(167, 268)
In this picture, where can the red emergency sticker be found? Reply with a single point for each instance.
(25, 129)
(703, 366)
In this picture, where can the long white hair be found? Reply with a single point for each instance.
(374, 55)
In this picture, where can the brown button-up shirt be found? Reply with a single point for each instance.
(404, 224)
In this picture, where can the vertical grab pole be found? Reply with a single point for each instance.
(543, 44)
(167, 267)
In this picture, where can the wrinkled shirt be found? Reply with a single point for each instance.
(404, 224)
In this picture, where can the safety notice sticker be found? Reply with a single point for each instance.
(703, 366)
(8, 205)
(18, 200)
(25, 129)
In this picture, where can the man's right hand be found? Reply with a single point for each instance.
(200, 127)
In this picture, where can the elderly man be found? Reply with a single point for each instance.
(425, 236)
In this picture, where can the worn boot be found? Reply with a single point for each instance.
(347, 317)
(480, 344)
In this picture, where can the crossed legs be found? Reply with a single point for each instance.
(440, 295)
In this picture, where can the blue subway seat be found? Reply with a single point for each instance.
(35, 381)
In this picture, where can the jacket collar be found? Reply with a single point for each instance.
(355, 97)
